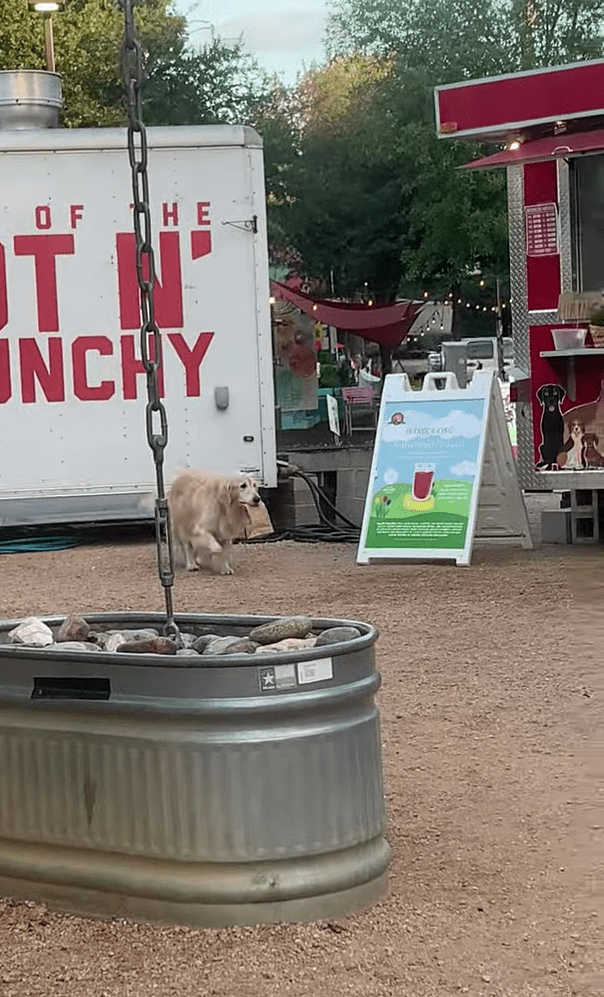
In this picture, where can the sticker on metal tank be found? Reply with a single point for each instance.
(277, 677)
(318, 670)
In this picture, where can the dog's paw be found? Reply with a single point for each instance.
(192, 567)
(226, 570)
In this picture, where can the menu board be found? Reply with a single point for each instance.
(541, 230)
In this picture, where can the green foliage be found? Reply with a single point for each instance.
(87, 39)
(215, 83)
(452, 39)
(218, 83)
(359, 184)
(335, 185)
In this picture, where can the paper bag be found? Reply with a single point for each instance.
(260, 522)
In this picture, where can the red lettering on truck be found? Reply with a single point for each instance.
(191, 359)
(45, 249)
(81, 388)
(5, 381)
(51, 378)
(3, 289)
(168, 293)
(170, 214)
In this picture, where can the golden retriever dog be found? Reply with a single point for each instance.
(208, 512)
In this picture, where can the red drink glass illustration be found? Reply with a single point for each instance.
(422, 482)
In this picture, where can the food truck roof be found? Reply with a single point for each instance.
(542, 149)
(553, 100)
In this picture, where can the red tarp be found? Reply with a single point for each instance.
(384, 324)
(541, 149)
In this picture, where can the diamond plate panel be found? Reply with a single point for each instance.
(520, 323)
(542, 318)
(566, 258)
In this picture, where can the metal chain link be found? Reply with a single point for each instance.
(150, 336)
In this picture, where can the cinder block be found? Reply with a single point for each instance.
(556, 526)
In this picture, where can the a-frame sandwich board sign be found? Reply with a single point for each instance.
(443, 474)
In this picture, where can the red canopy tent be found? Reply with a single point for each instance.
(387, 325)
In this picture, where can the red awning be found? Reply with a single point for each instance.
(385, 324)
(539, 150)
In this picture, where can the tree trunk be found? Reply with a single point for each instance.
(386, 360)
(455, 314)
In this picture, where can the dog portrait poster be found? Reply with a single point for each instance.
(571, 439)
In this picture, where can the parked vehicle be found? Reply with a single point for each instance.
(481, 355)
(72, 384)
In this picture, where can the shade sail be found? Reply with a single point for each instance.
(539, 150)
(387, 325)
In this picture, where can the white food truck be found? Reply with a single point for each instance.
(72, 386)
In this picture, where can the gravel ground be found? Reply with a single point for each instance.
(492, 712)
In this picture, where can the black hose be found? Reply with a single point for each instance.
(326, 531)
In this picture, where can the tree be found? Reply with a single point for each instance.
(550, 34)
(457, 226)
(216, 83)
(456, 223)
(442, 40)
(335, 184)
(451, 40)
(88, 36)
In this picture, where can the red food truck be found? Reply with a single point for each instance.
(550, 126)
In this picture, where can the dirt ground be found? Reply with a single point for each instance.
(493, 721)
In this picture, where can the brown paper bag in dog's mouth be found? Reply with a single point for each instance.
(260, 522)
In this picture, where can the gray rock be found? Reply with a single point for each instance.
(31, 632)
(337, 635)
(154, 645)
(241, 646)
(73, 628)
(201, 643)
(187, 652)
(73, 645)
(219, 645)
(289, 644)
(144, 634)
(289, 626)
(188, 639)
(114, 641)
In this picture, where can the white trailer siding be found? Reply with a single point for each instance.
(72, 391)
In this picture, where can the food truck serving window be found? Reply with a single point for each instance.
(587, 201)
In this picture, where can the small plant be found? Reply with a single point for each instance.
(597, 318)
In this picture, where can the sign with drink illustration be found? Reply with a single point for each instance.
(426, 474)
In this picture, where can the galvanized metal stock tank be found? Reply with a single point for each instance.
(206, 791)
(29, 98)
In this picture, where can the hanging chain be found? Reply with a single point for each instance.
(150, 336)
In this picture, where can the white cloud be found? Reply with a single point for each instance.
(390, 476)
(418, 424)
(286, 36)
(465, 468)
(296, 29)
